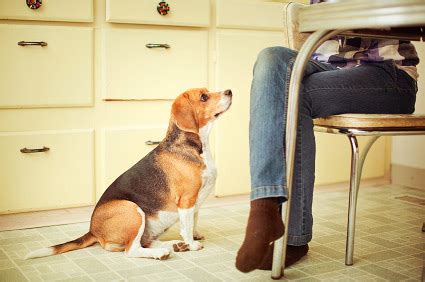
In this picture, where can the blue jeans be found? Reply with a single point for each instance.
(372, 88)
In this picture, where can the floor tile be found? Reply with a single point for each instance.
(91, 265)
(389, 246)
(197, 274)
(11, 274)
(383, 273)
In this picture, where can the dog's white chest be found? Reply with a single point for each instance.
(209, 174)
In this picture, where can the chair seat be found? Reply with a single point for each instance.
(373, 121)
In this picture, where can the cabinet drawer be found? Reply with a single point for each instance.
(250, 14)
(59, 177)
(181, 13)
(124, 147)
(50, 10)
(59, 74)
(134, 71)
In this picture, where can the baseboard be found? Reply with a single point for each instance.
(83, 214)
(45, 218)
(408, 176)
(345, 186)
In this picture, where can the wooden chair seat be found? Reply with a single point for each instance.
(370, 122)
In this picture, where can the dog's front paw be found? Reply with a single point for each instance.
(181, 247)
(195, 246)
(198, 236)
(161, 253)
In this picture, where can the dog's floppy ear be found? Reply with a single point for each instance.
(184, 114)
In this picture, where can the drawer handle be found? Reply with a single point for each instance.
(30, 151)
(149, 142)
(32, 43)
(153, 45)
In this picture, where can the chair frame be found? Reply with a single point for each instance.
(311, 43)
(357, 160)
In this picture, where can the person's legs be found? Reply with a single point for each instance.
(378, 88)
(268, 119)
(375, 88)
(267, 124)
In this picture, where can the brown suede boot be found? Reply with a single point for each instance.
(264, 226)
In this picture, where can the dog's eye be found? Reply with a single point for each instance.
(204, 97)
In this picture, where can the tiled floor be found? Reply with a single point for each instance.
(389, 246)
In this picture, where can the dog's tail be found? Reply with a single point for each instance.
(84, 241)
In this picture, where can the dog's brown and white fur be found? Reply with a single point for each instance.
(167, 185)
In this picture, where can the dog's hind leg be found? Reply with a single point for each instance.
(135, 249)
(119, 226)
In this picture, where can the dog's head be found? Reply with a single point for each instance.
(196, 107)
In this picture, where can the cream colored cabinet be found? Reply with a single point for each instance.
(46, 169)
(46, 90)
(180, 13)
(111, 69)
(45, 66)
(124, 147)
(147, 64)
(236, 54)
(244, 14)
(333, 158)
(238, 41)
(50, 10)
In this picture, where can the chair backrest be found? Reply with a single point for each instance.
(294, 39)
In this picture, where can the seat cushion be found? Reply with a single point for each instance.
(373, 121)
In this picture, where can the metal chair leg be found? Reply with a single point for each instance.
(311, 44)
(357, 160)
(278, 250)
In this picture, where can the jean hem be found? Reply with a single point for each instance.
(299, 240)
(269, 191)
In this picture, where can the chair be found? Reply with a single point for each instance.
(352, 125)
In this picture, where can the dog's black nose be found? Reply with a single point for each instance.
(228, 92)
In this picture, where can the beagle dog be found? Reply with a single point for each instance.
(167, 185)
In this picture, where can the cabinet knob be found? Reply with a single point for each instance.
(34, 4)
(163, 8)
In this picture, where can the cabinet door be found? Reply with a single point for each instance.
(333, 158)
(123, 147)
(50, 10)
(181, 12)
(60, 73)
(46, 170)
(250, 15)
(135, 72)
(236, 55)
